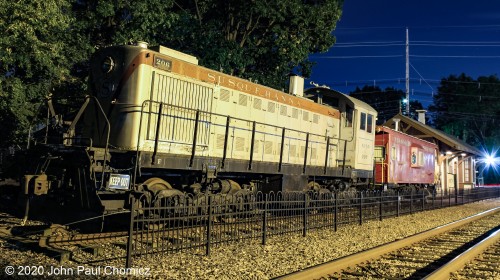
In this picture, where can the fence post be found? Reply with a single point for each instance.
(442, 197)
(380, 206)
(411, 201)
(433, 198)
(209, 224)
(423, 200)
(264, 222)
(456, 188)
(130, 232)
(335, 212)
(449, 199)
(304, 218)
(399, 204)
(360, 208)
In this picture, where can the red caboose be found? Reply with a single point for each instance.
(403, 160)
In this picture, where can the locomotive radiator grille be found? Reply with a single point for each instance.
(181, 100)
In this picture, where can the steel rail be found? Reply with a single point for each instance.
(336, 266)
(461, 260)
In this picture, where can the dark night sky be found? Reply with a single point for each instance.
(446, 37)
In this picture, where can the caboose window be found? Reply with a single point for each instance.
(369, 124)
(420, 158)
(379, 153)
(362, 122)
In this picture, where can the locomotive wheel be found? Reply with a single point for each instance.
(235, 187)
(313, 186)
(159, 188)
(168, 193)
(155, 185)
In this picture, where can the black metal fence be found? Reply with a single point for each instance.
(178, 223)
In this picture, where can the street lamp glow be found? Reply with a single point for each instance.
(490, 159)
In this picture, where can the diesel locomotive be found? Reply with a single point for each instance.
(156, 123)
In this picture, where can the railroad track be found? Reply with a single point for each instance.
(479, 262)
(415, 257)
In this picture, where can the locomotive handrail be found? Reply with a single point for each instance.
(240, 119)
(71, 128)
(107, 138)
(227, 127)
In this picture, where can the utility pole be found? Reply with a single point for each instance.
(407, 74)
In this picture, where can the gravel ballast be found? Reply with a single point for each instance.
(247, 259)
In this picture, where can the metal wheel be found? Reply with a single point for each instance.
(159, 188)
(155, 185)
(313, 186)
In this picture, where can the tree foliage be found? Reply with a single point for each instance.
(259, 40)
(33, 60)
(46, 44)
(469, 109)
(387, 102)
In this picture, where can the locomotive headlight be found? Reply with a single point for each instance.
(108, 64)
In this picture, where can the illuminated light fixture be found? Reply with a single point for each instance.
(490, 160)
(463, 154)
(405, 100)
(449, 152)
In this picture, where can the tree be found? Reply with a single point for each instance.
(46, 45)
(414, 106)
(386, 102)
(259, 40)
(469, 109)
(33, 60)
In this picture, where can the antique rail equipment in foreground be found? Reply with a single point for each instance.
(158, 124)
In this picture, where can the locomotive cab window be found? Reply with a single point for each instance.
(369, 124)
(348, 115)
(362, 121)
(332, 101)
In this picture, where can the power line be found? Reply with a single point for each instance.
(458, 42)
(450, 45)
(357, 56)
(456, 56)
(369, 42)
(422, 78)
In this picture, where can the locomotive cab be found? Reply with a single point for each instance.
(356, 128)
